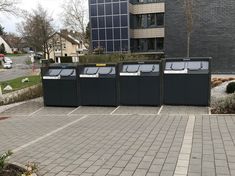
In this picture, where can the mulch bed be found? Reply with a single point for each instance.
(12, 170)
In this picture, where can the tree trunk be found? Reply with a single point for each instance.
(188, 44)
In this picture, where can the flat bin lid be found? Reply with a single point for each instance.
(149, 68)
(91, 70)
(68, 72)
(131, 68)
(106, 70)
(54, 72)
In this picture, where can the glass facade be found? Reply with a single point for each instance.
(109, 25)
(111, 21)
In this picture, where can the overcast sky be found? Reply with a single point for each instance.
(53, 7)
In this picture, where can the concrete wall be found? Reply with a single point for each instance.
(213, 32)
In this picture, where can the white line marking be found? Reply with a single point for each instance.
(36, 111)
(185, 152)
(48, 134)
(160, 110)
(73, 110)
(114, 110)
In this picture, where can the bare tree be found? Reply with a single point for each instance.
(36, 29)
(189, 22)
(75, 17)
(9, 6)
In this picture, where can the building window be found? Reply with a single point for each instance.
(108, 9)
(116, 21)
(102, 34)
(109, 34)
(116, 8)
(101, 9)
(151, 44)
(123, 8)
(160, 19)
(101, 22)
(95, 34)
(93, 10)
(124, 20)
(160, 44)
(94, 22)
(151, 20)
(140, 21)
(110, 46)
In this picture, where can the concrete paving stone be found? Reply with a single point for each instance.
(136, 110)
(93, 110)
(182, 110)
(102, 172)
(115, 171)
(23, 109)
(140, 172)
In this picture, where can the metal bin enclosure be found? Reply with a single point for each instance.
(98, 85)
(140, 83)
(187, 81)
(60, 86)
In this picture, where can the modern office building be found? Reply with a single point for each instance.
(159, 27)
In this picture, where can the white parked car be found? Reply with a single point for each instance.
(7, 60)
(7, 65)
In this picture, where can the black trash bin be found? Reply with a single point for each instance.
(98, 85)
(60, 86)
(140, 83)
(187, 81)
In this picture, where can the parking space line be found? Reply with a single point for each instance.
(160, 110)
(36, 111)
(48, 134)
(114, 110)
(74, 110)
(186, 148)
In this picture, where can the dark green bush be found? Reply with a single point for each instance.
(114, 58)
(230, 87)
(66, 59)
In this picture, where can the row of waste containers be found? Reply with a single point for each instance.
(181, 81)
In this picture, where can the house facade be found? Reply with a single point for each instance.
(8, 48)
(63, 44)
(160, 27)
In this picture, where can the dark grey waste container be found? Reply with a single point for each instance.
(98, 85)
(187, 81)
(140, 83)
(60, 86)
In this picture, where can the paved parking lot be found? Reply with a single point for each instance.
(122, 141)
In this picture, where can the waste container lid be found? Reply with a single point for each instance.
(106, 70)
(196, 65)
(91, 70)
(147, 68)
(67, 72)
(205, 65)
(54, 72)
(131, 68)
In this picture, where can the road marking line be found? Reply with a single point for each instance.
(36, 111)
(74, 110)
(160, 110)
(48, 134)
(185, 152)
(114, 110)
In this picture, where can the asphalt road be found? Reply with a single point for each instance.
(19, 68)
